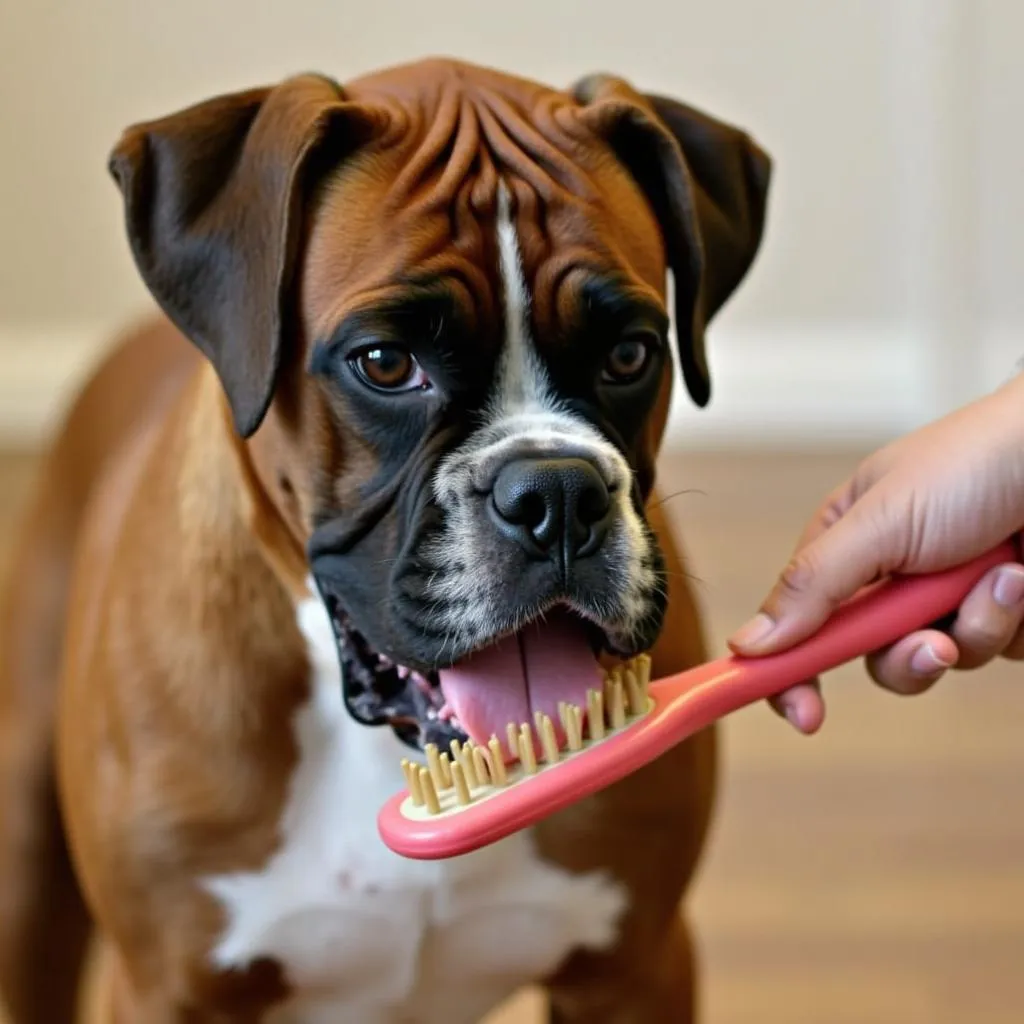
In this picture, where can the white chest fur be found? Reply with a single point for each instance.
(368, 937)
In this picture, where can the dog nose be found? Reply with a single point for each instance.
(548, 504)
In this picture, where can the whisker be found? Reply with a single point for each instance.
(684, 575)
(677, 494)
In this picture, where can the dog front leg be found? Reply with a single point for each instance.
(660, 988)
(115, 998)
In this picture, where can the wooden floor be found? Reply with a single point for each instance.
(874, 873)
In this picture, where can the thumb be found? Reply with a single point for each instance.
(826, 570)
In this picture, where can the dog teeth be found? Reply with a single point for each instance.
(422, 684)
(446, 713)
(467, 771)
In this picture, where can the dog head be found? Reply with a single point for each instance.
(435, 299)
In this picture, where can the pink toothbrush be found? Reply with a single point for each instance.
(463, 801)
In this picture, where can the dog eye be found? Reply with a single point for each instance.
(627, 361)
(389, 368)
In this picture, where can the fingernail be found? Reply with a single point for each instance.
(925, 662)
(1008, 589)
(759, 627)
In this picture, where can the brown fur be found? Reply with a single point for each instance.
(163, 554)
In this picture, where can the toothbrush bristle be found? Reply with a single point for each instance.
(412, 778)
(595, 714)
(512, 736)
(633, 692)
(480, 767)
(548, 739)
(574, 727)
(468, 767)
(527, 755)
(429, 792)
(498, 774)
(469, 772)
(618, 708)
(538, 721)
(434, 767)
(461, 783)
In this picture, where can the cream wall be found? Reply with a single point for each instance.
(887, 289)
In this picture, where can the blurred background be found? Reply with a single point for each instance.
(889, 286)
(875, 872)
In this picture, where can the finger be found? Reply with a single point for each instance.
(832, 568)
(802, 706)
(990, 617)
(913, 664)
(836, 504)
(746, 639)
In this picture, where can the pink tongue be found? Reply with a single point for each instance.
(543, 664)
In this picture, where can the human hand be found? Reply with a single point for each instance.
(930, 501)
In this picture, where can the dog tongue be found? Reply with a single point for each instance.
(543, 664)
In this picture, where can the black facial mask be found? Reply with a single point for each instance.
(357, 557)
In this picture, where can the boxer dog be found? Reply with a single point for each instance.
(406, 402)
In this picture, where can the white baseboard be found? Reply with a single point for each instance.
(771, 388)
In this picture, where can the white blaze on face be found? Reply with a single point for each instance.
(522, 385)
(524, 417)
(523, 413)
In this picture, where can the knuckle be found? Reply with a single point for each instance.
(798, 577)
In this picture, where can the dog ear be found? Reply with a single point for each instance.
(707, 183)
(212, 198)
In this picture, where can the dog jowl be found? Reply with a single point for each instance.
(453, 315)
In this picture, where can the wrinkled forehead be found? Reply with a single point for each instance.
(431, 203)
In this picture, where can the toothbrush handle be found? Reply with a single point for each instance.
(685, 703)
(878, 616)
